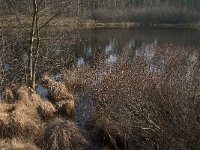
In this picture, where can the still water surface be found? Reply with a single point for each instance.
(112, 41)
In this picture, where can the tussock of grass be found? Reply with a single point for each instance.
(10, 94)
(18, 124)
(60, 96)
(61, 135)
(16, 144)
(57, 90)
(26, 117)
(65, 109)
(46, 110)
(21, 119)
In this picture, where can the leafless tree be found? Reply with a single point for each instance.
(42, 13)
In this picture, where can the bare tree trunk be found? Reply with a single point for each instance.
(31, 82)
(37, 52)
(78, 8)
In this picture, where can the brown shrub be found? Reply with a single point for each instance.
(62, 135)
(79, 79)
(137, 107)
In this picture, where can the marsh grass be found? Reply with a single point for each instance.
(61, 135)
(17, 144)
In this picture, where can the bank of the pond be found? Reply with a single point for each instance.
(75, 22)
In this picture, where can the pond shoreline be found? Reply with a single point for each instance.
(76, 23)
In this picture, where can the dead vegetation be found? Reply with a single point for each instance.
(17, 144)
(140, 108)
(60, 96)
(46, 110)
(62, 135)
(25, 116)
(79, 80)
(135, 106)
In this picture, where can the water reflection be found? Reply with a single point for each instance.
(111, 42)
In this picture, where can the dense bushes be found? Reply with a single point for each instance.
(140, 108)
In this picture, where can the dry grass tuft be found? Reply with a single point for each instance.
(65, 109)
(106, 132)
(46, 110)
(10, 94)
(62, 135)
(19, 121)
(16, 144)
(57, 90)
(25, 122)
(59, 95)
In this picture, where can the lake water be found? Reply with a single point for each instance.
(112, 41)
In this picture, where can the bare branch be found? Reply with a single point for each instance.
(49, 20)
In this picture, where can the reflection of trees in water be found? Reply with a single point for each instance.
(113, 41)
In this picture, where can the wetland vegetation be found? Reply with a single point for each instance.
(100, 75)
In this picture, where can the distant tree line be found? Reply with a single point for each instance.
(143, 11)
(6, 6)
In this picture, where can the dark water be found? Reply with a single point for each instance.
(112, 41)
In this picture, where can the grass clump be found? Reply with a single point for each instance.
(61, 135)
(46, 110)
(60, 96)
(17, 144)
